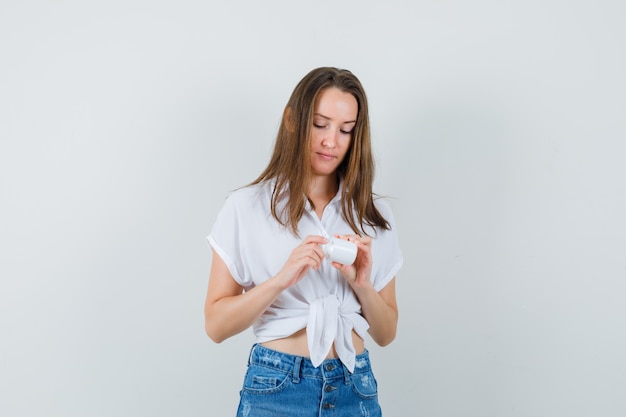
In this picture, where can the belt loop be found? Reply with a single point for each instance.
(346, 374)
(251, 353)
(296, 369)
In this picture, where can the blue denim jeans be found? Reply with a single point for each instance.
(278, 384)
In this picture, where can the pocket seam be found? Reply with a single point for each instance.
(284, 382)
(368, 396)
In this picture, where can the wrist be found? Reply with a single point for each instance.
(362, 285)
(278, 282)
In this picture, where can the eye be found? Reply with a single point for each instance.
(346, 132)
(319, 126)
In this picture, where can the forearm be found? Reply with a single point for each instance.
(382, 317)
(231, 315)
(229, 311)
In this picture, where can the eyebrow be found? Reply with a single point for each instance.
(328, 118)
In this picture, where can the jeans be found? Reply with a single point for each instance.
(278, 384)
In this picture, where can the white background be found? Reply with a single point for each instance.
(499, 131)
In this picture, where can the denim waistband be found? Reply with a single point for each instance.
(302, 366)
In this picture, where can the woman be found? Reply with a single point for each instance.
(309, 315)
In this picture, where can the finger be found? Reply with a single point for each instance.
(307, 249)
(341, 267)
(314, 261)
(320, 240)
(316, 258)
(312, 252)
(355, 239)
(347, 271)
(349, 238)
(317, 249)
(364, 240)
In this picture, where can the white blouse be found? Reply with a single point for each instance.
(255, 246)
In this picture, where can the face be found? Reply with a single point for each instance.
(334, 119)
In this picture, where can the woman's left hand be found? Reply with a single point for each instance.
(358, 274)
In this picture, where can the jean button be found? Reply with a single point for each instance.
(329, 367)
(328, 388)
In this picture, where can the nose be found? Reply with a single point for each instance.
(330, 139)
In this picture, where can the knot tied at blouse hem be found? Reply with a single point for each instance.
(330, 321)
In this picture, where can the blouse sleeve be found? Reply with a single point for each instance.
(385, 250)
(225, 239)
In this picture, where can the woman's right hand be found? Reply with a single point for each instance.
(308, 254)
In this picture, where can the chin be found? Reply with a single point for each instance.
(324, 172)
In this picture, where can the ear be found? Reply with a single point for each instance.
(288, 120)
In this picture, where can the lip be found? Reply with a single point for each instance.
(326, 156)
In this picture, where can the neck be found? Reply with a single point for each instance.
(323, 186)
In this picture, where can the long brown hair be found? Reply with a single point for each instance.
(290, 165)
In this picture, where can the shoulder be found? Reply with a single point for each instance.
(383, 206)
(381, 202)
(249, 195)
(243, 208)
